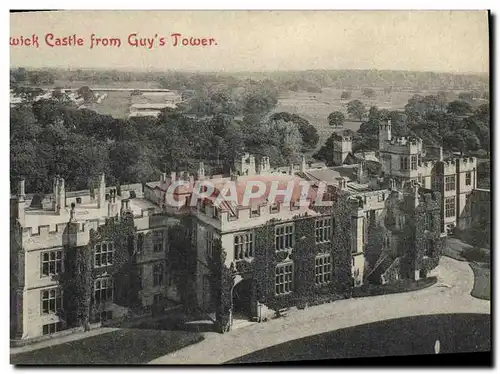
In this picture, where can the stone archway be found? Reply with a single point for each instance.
(244, 299)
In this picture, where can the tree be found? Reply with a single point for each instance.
(336, 119)
(86, 93)
(356, 109)
(346, 95)
(459, 108)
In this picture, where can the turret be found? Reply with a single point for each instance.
(384, 133)
(125, 206)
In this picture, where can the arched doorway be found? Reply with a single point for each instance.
(243, 299)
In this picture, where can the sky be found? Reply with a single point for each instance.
(441, 41)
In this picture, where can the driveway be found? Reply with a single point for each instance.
(451, 294)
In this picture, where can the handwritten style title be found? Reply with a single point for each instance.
(94, 41)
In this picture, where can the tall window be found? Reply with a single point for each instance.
(414, 162)
(284, 278)
(209, 242)
(51, 300)
(323, 269)
(436, 183)
(194, 232)
(158, 241)
(449, 206)
(140, 242)
(103, 290)
(140, 274)
(428, 247)
(243, 246)
(449, 183)
(103, 254)
(158, 274)
(323, 230)
(428, 221)
(468, 178)
(284, 237)
(51, 262)
(404, 163)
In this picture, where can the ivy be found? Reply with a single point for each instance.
(77, 281)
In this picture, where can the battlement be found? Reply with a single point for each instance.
(450, 166)
(467, 163)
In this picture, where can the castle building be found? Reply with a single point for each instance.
(407, 159)
(46, 231)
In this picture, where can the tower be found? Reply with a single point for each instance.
(342, 146)
(384, 134)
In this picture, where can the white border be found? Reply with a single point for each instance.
(186, 4)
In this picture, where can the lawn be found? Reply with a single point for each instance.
(482, 280)
(124, 346)
(116, 104)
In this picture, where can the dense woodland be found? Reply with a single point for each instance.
(221, 116)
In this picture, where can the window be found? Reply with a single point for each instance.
(275, 208)
(414, 162)
(51, 300)
(255, 212)
(78, 200)
(284, 237)
(103, 290)
(209, 242)
(284, 278)
(428, 247)
(103, 254)
(158, 241)
(449, 207)
(323, 269)
(404, 163)
(428, 222)
(468, 179)
(51, 263)
(158, 274)
(243, 246)
(402, 221)
(449, 183)
(140, 242)
(51, 328)
(215, 212)
(436, 183)
(323, 230)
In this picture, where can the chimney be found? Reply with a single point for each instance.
(72, 213)
(201, 171)
(441, 158)
(303, 164)
(292, 172)
(101, 192)
(360, 172)
(21, 204)
(125, 206)
(55, 186)
(172, 177)
(234, 177)
(61, 196)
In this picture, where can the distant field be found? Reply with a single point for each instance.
(315, 107)
(110, 83)
(116, 104)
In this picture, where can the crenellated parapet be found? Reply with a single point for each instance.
(467, 163)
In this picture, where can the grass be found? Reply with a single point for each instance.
(120, 347)
(116, 104)
(403, 285)
(482, 281)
